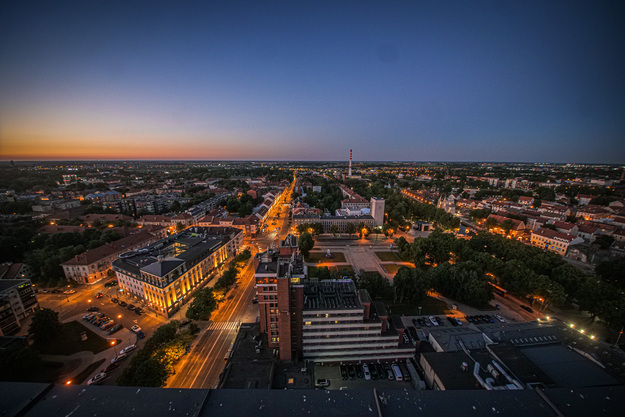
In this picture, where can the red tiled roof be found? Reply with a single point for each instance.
(553, 234)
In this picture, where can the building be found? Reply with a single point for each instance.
(166, 273)
(94, 264)
(326, 321)
(10, 270)
(17, 301)
(377, 211)
(339, 221)
(554, 241)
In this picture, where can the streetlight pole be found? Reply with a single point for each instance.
(619, 336)
(114, 350)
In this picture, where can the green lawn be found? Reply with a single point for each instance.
(388, 256)
(68, 341)
(430, 306)
(82, 377)
(391, 268)
(315, 257)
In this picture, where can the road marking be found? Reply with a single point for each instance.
(224, 325)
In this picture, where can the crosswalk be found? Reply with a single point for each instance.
(224, 325)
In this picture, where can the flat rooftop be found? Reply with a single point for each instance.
(331, 295)
(163, 256)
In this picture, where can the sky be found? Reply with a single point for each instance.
(420, 80)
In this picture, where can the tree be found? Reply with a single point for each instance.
(306, 243)
(410, 285)
(388, 229)
(202, 306)
(333, 229)
(44, 326)
(350, 229)
(179, 227)
(507, 225)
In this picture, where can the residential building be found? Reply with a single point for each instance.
(17, 301)
(10, 270)
(554, 241)
(339, 221)
(166, 273)
(93, 265)
(377, 211)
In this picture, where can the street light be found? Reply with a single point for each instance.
(113, 342)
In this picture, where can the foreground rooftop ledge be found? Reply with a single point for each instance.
(35, 399)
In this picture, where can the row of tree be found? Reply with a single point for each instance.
(521, 269)
(152, 364)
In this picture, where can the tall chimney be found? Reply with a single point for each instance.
(349, 174)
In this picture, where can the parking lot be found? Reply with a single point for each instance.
(332, 372)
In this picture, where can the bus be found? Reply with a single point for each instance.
(397, 372)
(498, 290)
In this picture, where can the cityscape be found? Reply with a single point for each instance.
(289, 209)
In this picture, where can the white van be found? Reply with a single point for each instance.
(397, 372)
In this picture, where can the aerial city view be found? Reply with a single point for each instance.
(368, 208)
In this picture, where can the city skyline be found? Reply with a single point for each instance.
(498, 82)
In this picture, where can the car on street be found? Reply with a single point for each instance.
(97, 379)
(68, 292)
(111, 367)
(322, 383)
(130, 307)
(99, 295)
(93, 309)
(122, 304)
(528, 309)
(138, 310)
(114, 300)
(128, 349)
(140, 334)
(135, 328)
(119, 358)
(501, 319)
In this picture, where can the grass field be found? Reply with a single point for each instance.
(81, 378)
(388, 256)
(315, 257)
(68, 341)
(391, 268)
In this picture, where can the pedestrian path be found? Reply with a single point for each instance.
(224, 325)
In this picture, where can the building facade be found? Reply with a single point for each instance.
(17, 301)
(166, 273)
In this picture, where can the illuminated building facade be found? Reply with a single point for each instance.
(166, 273)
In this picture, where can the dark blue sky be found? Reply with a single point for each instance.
(308, 80)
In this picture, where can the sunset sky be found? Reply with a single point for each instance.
(308, 80)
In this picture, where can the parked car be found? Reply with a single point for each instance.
(351, 371)
(97, 379)
(406, 340)
(501, 319)
(119, 358)
(93, 308)
(99, 295)
(389, 374)
(138, 310)
(344, 375)
(255, 300)
(140, 334)
(366, 372)
(404, 372)
(114, 300)
(115, 328)
(135, 328)
(528, 309)
(127, 349)
(108, 325)
(87, 316)
(433, 321)
(130, 307)
(111, 367)
(122, 304)
(322, 383)
(374, 372)
(359, 373)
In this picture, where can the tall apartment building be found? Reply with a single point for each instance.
(377, 211)
(165, 274)
(17, 301)
(321, 321)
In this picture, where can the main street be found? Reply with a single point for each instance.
(202, 367)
